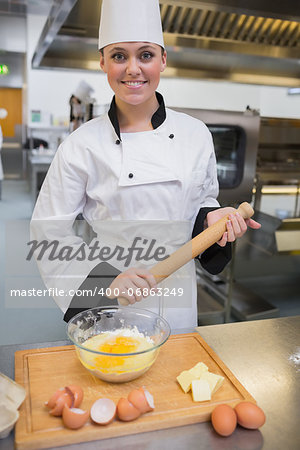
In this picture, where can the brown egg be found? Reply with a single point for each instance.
(224, 420)
(77, 394)
(103, 411)
(74, 417)
(62, 400)
(250, 415)
(126, 411)
(141, 399)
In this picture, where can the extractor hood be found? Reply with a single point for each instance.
(255, 42)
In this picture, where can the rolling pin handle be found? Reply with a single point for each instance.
(245, 210)
(123, 301)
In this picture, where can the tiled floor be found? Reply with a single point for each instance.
(43, 322)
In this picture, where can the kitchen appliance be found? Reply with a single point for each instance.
(265, 268)
(235, 136)
(278, 160)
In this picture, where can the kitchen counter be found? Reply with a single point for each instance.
(265, 357)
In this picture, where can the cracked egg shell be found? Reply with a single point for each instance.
(71, 395)
(77, 394)
(74, 418)
(103, 411)
(126, 411)
(62, 400)
(54, 397)
(141, 399)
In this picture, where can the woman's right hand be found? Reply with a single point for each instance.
(131, 283)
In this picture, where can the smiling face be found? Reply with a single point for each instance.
(133, 70)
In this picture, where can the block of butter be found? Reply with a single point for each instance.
(185, 379)
(188, 379)
(215, 381)
(201, 390)
(198, 370)
(187, 376)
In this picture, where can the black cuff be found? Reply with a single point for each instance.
(215, 258)
(96, 283)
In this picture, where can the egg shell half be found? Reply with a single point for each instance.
(77, 394)
(250, 415)
(126, 411)
(54, 397)
(62, 400)
(224, 420)
(138, 398)
(103, 411)
(74, 418)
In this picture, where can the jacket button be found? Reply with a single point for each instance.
(118, 142)
(171, 136)
(130, 175)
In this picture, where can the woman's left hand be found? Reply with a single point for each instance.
(236, 225)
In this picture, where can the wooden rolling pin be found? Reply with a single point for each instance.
(193, 248)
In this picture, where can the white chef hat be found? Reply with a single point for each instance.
(83, 91)
(130, 21)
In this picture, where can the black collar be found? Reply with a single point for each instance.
(157, 119)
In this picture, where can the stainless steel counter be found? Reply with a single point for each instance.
(264, 355)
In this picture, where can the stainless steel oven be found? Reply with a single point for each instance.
(236, 137)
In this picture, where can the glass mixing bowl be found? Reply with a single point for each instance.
(117, 344)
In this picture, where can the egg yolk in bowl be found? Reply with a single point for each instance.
(113, 345)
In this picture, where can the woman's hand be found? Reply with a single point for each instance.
(236, 225)
(131, 284)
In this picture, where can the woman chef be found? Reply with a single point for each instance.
(143, 177)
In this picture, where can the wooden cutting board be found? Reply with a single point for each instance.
(43, 371)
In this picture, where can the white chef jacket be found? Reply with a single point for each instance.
(163, 176)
